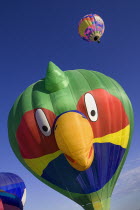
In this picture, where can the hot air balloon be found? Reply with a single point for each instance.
(72, 130)
(91, 28)
(12, 192)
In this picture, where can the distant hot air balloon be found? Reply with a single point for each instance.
(72, 130)
(91, 28)
(12, 192)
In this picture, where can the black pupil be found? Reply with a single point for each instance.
(44, 128)
(93, 113)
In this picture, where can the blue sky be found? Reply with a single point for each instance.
(34, 32)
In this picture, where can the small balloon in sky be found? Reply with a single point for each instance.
(12, 192)
(91, 28)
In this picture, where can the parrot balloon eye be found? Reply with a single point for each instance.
(92, 121)
(91, 107)
(43, 122)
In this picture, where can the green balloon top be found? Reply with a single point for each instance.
(55, 78)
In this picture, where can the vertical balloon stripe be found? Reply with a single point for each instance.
(1, 205)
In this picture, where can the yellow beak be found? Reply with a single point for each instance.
(74, 137)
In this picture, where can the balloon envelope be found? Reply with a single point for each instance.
(72, 130)
(12, 191)
(91, 28)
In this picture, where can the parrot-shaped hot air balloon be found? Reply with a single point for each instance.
(12, 192)
(72, 130)
(91, 28)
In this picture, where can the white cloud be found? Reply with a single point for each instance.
(129, 181)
